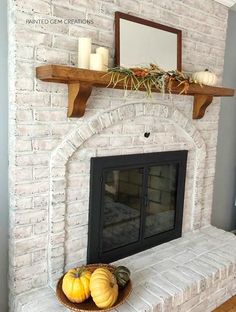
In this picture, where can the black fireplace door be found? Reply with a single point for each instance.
(136, 202)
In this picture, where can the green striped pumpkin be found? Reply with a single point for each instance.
(122, 275)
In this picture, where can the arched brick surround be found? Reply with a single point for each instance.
(95, 126)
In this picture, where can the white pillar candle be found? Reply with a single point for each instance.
(95, 61)
(105, 56)
(84, 51)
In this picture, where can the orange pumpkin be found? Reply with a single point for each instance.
(75, 284)
(104, 288)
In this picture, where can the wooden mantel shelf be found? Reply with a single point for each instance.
(81, 82)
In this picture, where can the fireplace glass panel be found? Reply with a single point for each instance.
(136, 202)
(122, 206)
(161, 199)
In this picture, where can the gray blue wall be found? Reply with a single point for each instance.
(224, 208)
(3, 158)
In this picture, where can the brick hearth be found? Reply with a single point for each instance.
(191, 274)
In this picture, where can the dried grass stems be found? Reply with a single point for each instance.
(149, 79)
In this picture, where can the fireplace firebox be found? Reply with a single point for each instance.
(136, 202)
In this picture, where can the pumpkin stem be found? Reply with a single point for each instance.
(79, 271)
(206, 69)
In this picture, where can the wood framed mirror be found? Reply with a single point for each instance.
(139, 42)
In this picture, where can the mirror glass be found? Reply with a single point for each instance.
(140, 42)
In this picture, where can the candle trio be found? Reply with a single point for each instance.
(88, 60)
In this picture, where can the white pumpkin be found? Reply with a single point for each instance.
(205, 77)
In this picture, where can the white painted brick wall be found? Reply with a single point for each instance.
(39, 125)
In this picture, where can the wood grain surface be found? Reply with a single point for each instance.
(228, 306)
(81, 81)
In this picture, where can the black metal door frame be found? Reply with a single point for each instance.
(98, 166)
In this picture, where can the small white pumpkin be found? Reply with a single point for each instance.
(205, 77)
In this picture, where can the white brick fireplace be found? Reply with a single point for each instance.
(50, 157)
(118, 131)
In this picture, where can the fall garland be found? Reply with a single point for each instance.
(149, 78)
